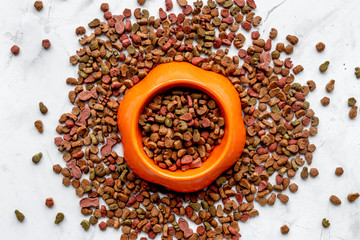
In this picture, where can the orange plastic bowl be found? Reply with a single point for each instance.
(159, 80)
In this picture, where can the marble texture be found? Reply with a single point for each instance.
(39, 75)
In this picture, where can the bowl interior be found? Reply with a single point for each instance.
(215, 157)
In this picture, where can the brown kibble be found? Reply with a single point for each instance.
(15, 50)
(353, 112)
(314, 172)
(49, 202)
(293, 187)
(104, 7)
(292, 39)
(182, 3)
(304, 173)
(325, 101)
(39, 126)
(141, 2)
(320, 46)
(283, 198)
(38, 5)
(80, 30)
(351, 102)
(353, 196)
(311, 84)
(335, 200)
(285, 229)
(298, 69)
(330, 86)
(43, 108)
(273, 33)
(289, 49)
(339, 171)
(57, 168)
(46, 43)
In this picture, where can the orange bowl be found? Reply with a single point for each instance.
(185, 75)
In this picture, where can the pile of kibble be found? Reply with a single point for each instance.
(277, 116)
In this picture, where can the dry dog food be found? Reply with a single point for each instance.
(357, 72)
(353, 112)
(284, 229)
(180, 129)
(351, 102)
(119, 52)
(15, 50)
(49, 202)
(38, 5)
(335, 200)
(320, 46)
(46, 43)
(39, 126)
(352, 197)
(323, 67)
(37, 157)
(19, 215)
(330, 86)
(339, 171)
(325, 223)
(43, 108)
(325, 101)
(59, 218)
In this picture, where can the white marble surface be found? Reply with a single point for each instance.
(39, 75)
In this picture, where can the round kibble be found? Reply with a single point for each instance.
(314, 172)
(284, 229)
(320, 46)
(38, 5)
(49, 202)
(325, 101)
(339, 171)
(46, 43)
(15, 50)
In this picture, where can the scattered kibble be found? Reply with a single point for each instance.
(80, 30)
(311, 84)
(38, 5)
(320, 46)
(15, 50)
(353, 196)
(46, 43)
(104, 7)
(335, 200)
(314, 172)
(323, 67)
(357, 72)
(141, 2)
(273, 33)
(43, 108)
(351, 102)
(325, 223)
(57, 168)
(284, 229)
(103, 226)
(353, 112)
(85, 224)
(19, 215)
(93, 220)
(39, 126)
(325, 101)
(339, 171)
(37, 157)
(292, 39)
(49, 202)
(330, 86)
(59, 218)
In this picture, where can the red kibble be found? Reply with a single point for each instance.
(49, 202)
(15, 50)
(46, 43)
(102, 226)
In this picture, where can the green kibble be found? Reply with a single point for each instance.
(207, 226)
(43, 108)
(82, 74)
(94, 45)
(246, 9)
(182, 126)
(176, 226)
(131, 50)
(235, 10)
(181, 111)
(104, 69)
(275, 109)
(325, 223)
(220, 180)
(351, 102)
(93, 220)
(296, 86)
(168, 122)
(315, 122)
(160, 119)
(19, 215)
(195, 206)
(59, 217)
(270, 171)
(113, 207)
(357, 72)
(85, 224)
(306, 105)
(37, 157)
(228, 4)
(282, 171)
(323, 67)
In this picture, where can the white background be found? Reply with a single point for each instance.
(39, 75)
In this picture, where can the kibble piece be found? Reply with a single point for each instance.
(353, 196)
(311, 84)
(292, 39)
(325, 101)
(353, 112)
(19, 215)
(330, 86)
(37, 157)
(293, 187)
(38, 5)
(339, 171)
(297, 69)
(46, 43)
(93, 220)
(85, 224)
(325, 223)
(80, 30)
(49, 202)
(304, 173)
(59, 218)
(43, 108)
(320, 46)
(104, 7)
(39, 126)
(314, 172)
(357, 72)
(182, 3)
(57, 168)
(323, 67)
(351, 102)
(102, 226)
(273, 33)
(335, 200)
(15, 50)
(283, 198)
(141, 2)
(285, 229)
